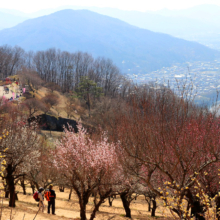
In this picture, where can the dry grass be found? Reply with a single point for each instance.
(26, 208)
(61, 106)
(54, 135)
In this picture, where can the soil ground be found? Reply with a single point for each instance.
(26, 209)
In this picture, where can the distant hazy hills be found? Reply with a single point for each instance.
(9, 20)
(205, 13)
(130, 47)
(181, 23)
(199, 23)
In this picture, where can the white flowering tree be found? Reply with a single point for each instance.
(20, 145)
(44, 172)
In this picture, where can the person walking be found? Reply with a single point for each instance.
(51, 196)
(41, 199)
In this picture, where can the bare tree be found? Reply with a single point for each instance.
(30, 78)
(35, 105)
(51, 100)
(166, 138)
(44, 172)
(11, 60)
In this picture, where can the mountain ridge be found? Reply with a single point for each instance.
(198, 23)
(102, 35)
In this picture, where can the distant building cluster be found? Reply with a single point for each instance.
(204, 76)
(10, 89)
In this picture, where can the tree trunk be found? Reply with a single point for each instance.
(16, 196)
(33, 188)
(12, 195)
(61, 188)
(70, 193)
(149, 207)
(6, 190)
(95, 201)
(7, 194)
(96, 209)
(97, 205)
(110, 201)
(5, 187)
(83, 201)
(23, 185)
(136, 196)
(154, 208)
(82, 210)
(11, 185)
(126, 204)
(148, 202)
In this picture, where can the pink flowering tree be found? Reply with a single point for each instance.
(89, 166)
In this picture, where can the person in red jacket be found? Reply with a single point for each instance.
(50, 196)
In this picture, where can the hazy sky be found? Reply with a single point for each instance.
(142, 5)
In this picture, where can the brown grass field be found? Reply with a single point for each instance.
(26, 209)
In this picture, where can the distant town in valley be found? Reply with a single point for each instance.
(203, 75)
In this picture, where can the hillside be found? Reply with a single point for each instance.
(130, 47)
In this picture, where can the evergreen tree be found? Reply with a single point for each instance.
(87, 90)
